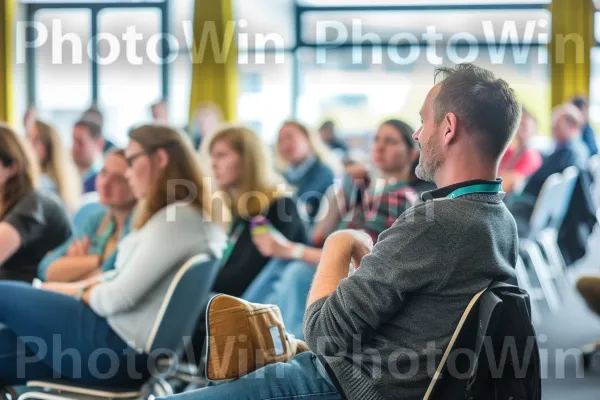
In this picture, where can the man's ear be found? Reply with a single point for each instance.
(163, 158)
(451, 127)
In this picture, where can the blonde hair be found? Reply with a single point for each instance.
(182, 165)
(318, 147)
(59, 166)
(258, 175)
(16, 152)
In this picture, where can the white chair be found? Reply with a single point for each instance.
(173, 328)
(548, 237)
(546, 219)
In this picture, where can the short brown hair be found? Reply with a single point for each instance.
(485, 105)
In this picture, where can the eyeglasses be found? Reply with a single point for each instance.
(129, 160)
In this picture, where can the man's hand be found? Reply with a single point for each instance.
(358, 243)
(79, 248)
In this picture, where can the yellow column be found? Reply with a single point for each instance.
(7, 19)
(214, 57)
(570, 48)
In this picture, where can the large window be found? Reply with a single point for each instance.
(361, 65)
(355, 62)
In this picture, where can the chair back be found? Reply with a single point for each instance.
(544, 206)
(479, 362)
(561, 205)
(183, 305)
(82, 214)
(594, 170)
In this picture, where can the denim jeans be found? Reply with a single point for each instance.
(285, 284)
(303, 377)
(46, 335)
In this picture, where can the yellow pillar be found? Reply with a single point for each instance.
(570, 48)
(7, 18)
(214, 57)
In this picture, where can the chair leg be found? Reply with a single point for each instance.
(543, 274)
(525, 284)
(549, 242)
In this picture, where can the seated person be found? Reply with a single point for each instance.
(32, 222)
(286, 282)
(92, 250)
(88, 150)
(59, 174)
(380, 332)
(328, 133)
(520, 161)
(307, 165)
(588, 136)
(570, 151)
(115, 316)
(244, 173)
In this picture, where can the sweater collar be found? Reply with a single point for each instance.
(447, 190)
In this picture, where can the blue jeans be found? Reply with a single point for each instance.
(303, 377)
(46, 335)
(286, 284)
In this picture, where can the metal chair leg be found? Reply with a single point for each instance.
(543, 274)
(549, 242)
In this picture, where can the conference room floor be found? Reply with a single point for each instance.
(560, 335)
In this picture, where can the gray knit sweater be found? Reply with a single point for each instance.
(383, 331)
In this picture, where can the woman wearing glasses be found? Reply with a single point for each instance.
(92, 249)
(112, 316)
(31, 222)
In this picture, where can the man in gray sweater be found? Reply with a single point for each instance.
(379, 333)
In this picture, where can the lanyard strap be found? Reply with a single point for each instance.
(479, 188)
(234, 236)
(102, 240)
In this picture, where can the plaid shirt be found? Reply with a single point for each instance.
(375, 208)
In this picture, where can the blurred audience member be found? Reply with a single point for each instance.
(59, 173)
(160, 111)
(92, 249)
(94, 115)
(243, 170)
(307, 164)
(88, 148)
(520, 160)
(588, 135)
(570, 151)
(329, 136)
(369, 205)
(115, 313)
(31, 222)
(206, 121)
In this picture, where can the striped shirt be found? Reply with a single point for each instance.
(374, 208)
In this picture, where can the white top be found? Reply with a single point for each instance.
(147, 261)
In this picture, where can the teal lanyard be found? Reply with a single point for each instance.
(233, 238)
(479, 188)
(102, 240)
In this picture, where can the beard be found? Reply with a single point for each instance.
(429, 162)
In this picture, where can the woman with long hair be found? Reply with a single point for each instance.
(92, 248)
(244, 172)
(371, 204)
(114, 313)
(31, 222)
(59, 173)
(307, 164)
